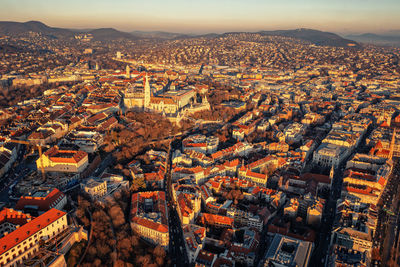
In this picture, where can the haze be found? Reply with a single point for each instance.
(344, 16)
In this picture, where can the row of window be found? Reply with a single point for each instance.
(31, 244)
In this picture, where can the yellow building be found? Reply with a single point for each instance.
(55, 160)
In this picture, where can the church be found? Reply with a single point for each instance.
(168, 102)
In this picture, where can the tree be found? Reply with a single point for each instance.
(117, 216)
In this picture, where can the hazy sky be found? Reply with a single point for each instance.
(343, 16)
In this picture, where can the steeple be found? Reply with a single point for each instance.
(332, 173)
(147, 92)
(128, 72)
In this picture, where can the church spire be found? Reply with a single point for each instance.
(147, 92)
(128, 72)
(332, 173)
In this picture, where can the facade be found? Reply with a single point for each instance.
(8, 155)
(144, 97)
(55, 160)
(352, 238)
(194, 236)
(21, 239)
(48, 133)
(87, 141)
(294, 132)
(201, 143)
(134, 96)
(95, 189)
(328, 155)
(188, 198)
(245, 218)
(218, 221)
(365, 178)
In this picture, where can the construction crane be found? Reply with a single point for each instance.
(39, 147)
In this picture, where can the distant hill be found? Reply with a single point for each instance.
(314, 36)
(377, 39)
(106, 34)
(103, 34)
(158, 35)
(15, 28)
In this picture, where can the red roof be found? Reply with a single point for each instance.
(43, 203)
(249, 173)
(217, 219)
(367, 191)
(30, 228)
(150, 224)
(108, 123)
(382, 181)
(65, 156)
(384, 124)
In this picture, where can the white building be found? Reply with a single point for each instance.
(96, 189)
(328, 155)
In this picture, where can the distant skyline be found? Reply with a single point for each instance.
(187, 16)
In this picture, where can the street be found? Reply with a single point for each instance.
(14, 175)
(177, 247)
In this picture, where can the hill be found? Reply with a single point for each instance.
(158, 35)
(107, 34)
(314, 36)
(15, 28)
(377, 39)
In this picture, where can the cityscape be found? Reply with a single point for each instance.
(176, 144)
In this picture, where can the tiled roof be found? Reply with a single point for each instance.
(150, 224)
(69, 156)
(29, 229)
(43, 203)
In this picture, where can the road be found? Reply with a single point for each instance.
(106, 162)
(177, 247)
(387, 233)
(328, 217)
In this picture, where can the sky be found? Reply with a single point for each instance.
(205, 16)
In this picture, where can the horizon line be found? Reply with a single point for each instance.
(349, 32)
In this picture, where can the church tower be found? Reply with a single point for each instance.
(205, 103)
(332, 174)
(147, 92)
(128, 72)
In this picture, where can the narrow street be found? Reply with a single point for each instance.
(177, 247)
